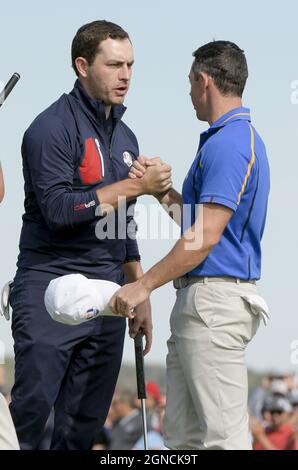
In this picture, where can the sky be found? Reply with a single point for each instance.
(35, 39)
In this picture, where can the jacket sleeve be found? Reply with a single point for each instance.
(47, 151)
(132, 249)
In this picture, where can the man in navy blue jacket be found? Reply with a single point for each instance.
(76, 159)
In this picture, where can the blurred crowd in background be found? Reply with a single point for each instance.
(273, 409)
(272, 406)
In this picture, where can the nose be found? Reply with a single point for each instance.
(125, 73)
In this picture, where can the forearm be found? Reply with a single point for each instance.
(189, 252)
(172, 204)
(133, 271)
(110, 196)
(170, 198)
(180, 260)
(192, 248)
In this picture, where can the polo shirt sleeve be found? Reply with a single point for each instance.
(224, 172)
(47, 150)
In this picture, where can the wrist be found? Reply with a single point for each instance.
(140, 187)
(146, 283)
(161, 197)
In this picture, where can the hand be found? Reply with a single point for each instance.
(156, 179)
(140, 166)
(126, 299)
(142, 321)
(139, 169)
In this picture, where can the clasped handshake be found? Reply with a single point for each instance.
(156, 175)
(156, 180)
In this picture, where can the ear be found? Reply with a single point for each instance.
(204, 79)
(82, 66)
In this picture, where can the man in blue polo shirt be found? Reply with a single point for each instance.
(215, 264)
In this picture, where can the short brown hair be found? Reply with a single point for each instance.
(88, 38)
(225, 62)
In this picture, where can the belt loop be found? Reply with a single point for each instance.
(237, 281)
(205, 280)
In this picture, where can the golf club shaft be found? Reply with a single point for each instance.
(141, 382)
(9, 87)
(144, 422)
(140, 366)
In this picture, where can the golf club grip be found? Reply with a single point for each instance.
(9, 87)
(140, 366)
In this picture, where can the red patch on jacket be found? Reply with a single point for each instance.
(92, 169)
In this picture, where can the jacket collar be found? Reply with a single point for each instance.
(96, 107)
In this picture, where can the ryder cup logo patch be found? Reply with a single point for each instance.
(127, 158)
(91, 313)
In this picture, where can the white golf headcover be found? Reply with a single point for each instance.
(4, 300)
(74, 299)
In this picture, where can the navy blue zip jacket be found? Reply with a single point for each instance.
(69, 151)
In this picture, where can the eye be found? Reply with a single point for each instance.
(115, 65)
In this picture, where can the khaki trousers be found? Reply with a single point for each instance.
(211, 325)
(8, 437)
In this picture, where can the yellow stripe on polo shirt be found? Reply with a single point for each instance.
(234, 115)
(250, 165)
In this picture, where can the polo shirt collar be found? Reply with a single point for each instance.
(237, 114)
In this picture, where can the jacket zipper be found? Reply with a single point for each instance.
(101, 157)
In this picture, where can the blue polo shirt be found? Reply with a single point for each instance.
(231, 168)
